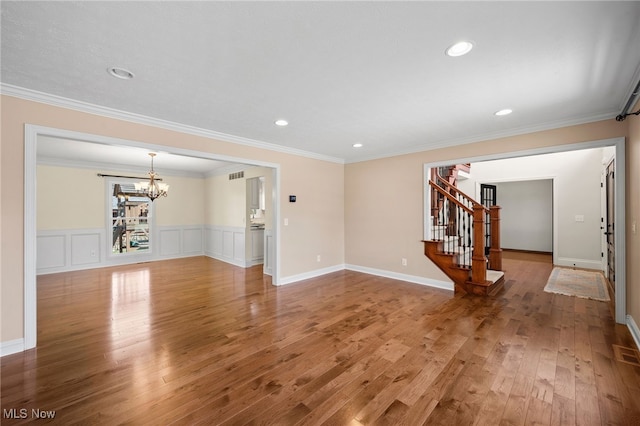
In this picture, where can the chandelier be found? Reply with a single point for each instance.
(152, 188)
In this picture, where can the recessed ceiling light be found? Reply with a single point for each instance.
(460, 48)
(357, 145)
(121, 73)
(505, 111)
(281, 123)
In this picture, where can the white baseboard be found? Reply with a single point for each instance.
(228, 260)
(580, 263)
(372, 271)
(311, 274)
(402, 277)
(635, 332)
(11, 347)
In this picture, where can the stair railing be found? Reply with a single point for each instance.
(455, 214)
(453, 223)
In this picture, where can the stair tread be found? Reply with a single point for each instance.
(494, 276)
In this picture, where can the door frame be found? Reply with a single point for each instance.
(603, 212)
(31, 134)
(620, 201)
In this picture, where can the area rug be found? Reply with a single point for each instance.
(572, 282)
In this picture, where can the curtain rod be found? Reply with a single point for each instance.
(632, 99)
(126, 177)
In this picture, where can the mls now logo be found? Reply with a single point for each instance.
(23, 413)
(14, 413)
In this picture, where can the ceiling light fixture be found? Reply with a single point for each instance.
(357, 145)
(120, 73)
(459, 49)
(152, 188)
(505, 111)
(281, 123)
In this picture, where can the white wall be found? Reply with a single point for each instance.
(526, 219)
(577, 193)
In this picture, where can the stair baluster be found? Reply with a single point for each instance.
(458, 238)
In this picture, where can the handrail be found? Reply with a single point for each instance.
(450, 197)
(460, 192)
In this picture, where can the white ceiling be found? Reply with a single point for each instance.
(339, 72)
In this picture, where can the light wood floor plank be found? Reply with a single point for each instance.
(198, 341)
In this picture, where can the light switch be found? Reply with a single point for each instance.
(286, 221)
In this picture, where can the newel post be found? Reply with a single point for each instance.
(495, 252)
(478, 259)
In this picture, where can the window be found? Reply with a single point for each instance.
(130, 221)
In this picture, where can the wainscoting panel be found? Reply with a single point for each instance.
(85, 248)
(268, 252)
(226, 243)
(214, 242)
(169, 242)
(238, 246)
(51, 251)
(192, 241)
(74, 249)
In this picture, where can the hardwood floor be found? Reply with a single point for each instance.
(197, 341)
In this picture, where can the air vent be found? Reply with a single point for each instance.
(236, 175)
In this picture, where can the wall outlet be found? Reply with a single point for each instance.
(404, 262)
(318, 258)
(579, 218)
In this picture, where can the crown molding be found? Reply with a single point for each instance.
(59, 101)
(492, 135)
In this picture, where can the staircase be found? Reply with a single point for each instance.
(461, 231)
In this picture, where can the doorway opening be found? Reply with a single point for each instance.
(618, 240)
(32, 135)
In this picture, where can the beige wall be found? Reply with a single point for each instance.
(185, 203)
(319, 183)
(74, 198)
(226, 201)
(633, 215)
(69, 198)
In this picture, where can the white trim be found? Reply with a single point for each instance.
(31, 133)
(447, 143)
(310, 274)
(635, 332)
(59, 101)
(620, 232)
(442, 285)
(620, 236)
(11, 347)
(426, 232)
(30, 234)
(570, 262)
